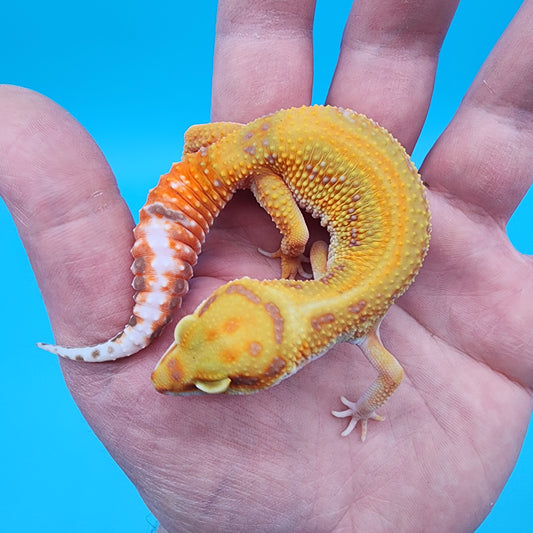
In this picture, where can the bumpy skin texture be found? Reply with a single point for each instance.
(342, 168)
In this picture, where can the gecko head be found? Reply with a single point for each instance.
(231, 343)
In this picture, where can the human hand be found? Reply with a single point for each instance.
(274, 460)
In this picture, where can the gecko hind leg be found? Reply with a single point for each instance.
(318, 256)
(390, 375)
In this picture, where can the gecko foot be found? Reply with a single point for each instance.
(355, 415)
(290, 266)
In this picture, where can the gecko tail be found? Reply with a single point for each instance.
(98, 353)
(163, 264)
(171, 230)
(154, 306)
(161, 272)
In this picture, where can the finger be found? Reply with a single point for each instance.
(491, 135)
(263, 57)
(388, 61)
(74, 225)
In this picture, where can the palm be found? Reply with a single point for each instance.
(275, 459)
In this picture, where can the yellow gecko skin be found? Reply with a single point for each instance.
(352, 174)
(248, 335)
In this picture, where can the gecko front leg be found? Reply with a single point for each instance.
(276, 199)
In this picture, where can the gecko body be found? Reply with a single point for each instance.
(248, 335)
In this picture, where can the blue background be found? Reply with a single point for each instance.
(136, 78)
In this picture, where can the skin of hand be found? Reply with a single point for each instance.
(274, 460)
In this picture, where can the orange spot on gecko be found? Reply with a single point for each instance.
(231, 325)
(229, 356)
(211, 335)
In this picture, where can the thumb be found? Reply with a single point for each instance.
(74, 224)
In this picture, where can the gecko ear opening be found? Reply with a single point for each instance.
(213, 387)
